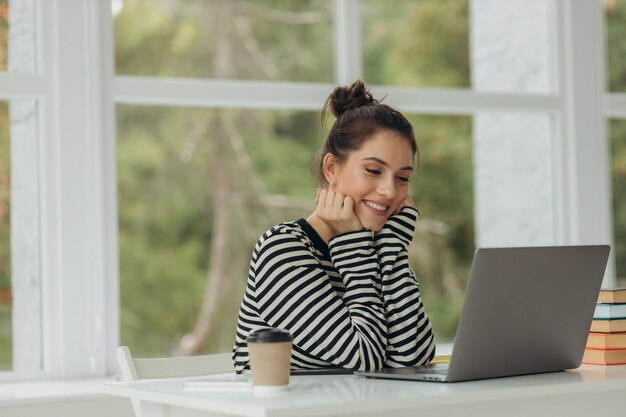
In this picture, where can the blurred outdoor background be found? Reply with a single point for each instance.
(196, 187)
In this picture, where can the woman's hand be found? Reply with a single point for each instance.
(408, 202)
(337, 211)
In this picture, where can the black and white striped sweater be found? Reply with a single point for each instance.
(354, 303)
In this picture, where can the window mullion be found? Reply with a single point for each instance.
(586, 194)
(347, 32)
(75, 264)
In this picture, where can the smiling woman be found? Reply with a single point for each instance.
(375, 177)
(340, 280)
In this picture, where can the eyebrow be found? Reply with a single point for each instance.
(380, 161)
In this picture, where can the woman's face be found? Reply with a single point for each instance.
(376, 177)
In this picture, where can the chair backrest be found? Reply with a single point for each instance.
(137, 369)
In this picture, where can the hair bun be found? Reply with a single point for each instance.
(349, 97)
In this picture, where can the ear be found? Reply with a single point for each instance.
(330, 168)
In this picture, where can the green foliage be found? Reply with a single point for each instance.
(165, 212)
(284, 153)
(6, 344)
(618, 140)
(164, 232)
(277, 39)
(416, 43)
(4, 33)
(6, 348)
(616, 47)
(442, 189)
(5, 197)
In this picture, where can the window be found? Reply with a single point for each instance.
(146, 145)
(615, 16)
(20, 276)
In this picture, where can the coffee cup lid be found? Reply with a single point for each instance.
(269, 335)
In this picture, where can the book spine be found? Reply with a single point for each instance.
(615, 311)
(605, 348)
(603, 363)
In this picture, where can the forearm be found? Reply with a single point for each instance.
(410, 338)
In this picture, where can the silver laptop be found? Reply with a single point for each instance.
(526, 311)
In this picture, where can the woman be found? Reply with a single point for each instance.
(340, 280)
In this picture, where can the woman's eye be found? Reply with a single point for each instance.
(373, 171)
(403, 179)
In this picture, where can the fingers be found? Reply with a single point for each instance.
(338, 200)
(329, 199)
(407, 202)
(337, 211)
(321, 198)
(331, 203)
(348, 204)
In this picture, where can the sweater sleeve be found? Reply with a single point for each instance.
(410, 337)
(292, 291)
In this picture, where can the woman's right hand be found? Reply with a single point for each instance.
(337, 211)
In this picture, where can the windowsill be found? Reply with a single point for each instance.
(45, 391)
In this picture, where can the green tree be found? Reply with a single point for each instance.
(616, 48)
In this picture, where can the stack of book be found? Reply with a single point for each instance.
(606, 344)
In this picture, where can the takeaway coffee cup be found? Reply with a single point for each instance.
(270, 358)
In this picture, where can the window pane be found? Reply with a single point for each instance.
(425, 43)
(196, 189)
(421, 43)
(442, 249)
(17, 36)
(514, 183)
(20, 289)
(618, 140)
(511, 46)
(264, 40)
(6, 349)
(616, 48)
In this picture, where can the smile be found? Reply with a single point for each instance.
(375, 206)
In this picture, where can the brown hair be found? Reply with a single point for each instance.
(358, 116)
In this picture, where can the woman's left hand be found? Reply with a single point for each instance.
(408, 202)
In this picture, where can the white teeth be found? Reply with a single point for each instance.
(375, 206)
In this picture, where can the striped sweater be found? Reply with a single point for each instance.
(354, 303)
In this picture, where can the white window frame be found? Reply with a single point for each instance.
(77, 90)
(77, 215)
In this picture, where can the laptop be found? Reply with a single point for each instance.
(526, 311)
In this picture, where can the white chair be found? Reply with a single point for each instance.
(153, 368)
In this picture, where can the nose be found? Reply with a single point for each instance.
(387, 188)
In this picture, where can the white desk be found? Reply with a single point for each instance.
(587, 391)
